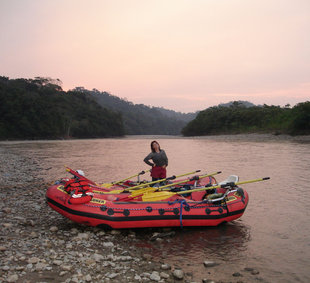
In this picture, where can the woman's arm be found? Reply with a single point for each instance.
(146, 159)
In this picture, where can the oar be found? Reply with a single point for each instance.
(158, 181)
(153, 189)
(136, 175)
(195, 178)
(139, 188)
(76, 174)
(159, 196)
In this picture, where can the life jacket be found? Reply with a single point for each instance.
(79, 191)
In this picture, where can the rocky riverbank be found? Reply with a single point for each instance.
(39, 245)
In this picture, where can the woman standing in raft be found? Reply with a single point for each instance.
(160, 161)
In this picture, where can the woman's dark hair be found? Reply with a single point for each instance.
(153, 150)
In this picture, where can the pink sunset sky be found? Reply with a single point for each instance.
(184, 55)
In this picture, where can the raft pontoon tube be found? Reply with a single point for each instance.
(87, 205)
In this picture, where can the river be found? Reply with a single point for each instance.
(273, 235)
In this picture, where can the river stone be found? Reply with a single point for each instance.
(82, 236)
(19, 268)
(33, 260)
(6, 210)
(30, 223)
(7, 225)
(208, 263)
(112, 275)
(164, 275)
(40, 266)
(69, 246)
(147, 256)
(115, 232)
(5, 268)
(155, 276)
(57, 262)
(12, 278)
(66, 267)
(98, 257)
(254, 272)
(74, 231)
(88, 278)
(165, 267)
(108, 245)
(137, 277)
(33, 234)
(178, 274)
(237, 274)
(54, 229)
(62, 273)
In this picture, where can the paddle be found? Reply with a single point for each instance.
(159, 196)
(158, 181)
(153, 189)
(76, 174)
(147, 185)
(136, 175)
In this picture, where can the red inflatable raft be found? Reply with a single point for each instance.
(87, 206)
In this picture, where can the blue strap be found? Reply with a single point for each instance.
(181, 201)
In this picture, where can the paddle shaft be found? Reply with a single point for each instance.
(222, 186)
(159, 196)
(161, 180)
(150, 190)
(121, 181)
(76, 174)
(184, 181)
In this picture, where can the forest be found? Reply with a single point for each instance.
(39, 109)
(238, 118)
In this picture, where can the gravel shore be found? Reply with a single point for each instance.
(39, 245)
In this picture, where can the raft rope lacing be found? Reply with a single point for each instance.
(181, 202)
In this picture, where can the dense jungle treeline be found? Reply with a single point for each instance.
(39, 108)
(237, 118)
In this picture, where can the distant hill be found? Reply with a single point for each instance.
(140, 119)
(239, 117)
(237, 103)
(186, 117)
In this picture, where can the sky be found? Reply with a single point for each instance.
(184, 55)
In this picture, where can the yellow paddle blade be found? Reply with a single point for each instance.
(157, 196)
(114, 192)
(143, 191)
(106, 185)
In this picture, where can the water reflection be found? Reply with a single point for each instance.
(225, 241)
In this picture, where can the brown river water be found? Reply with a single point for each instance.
(273, 235)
